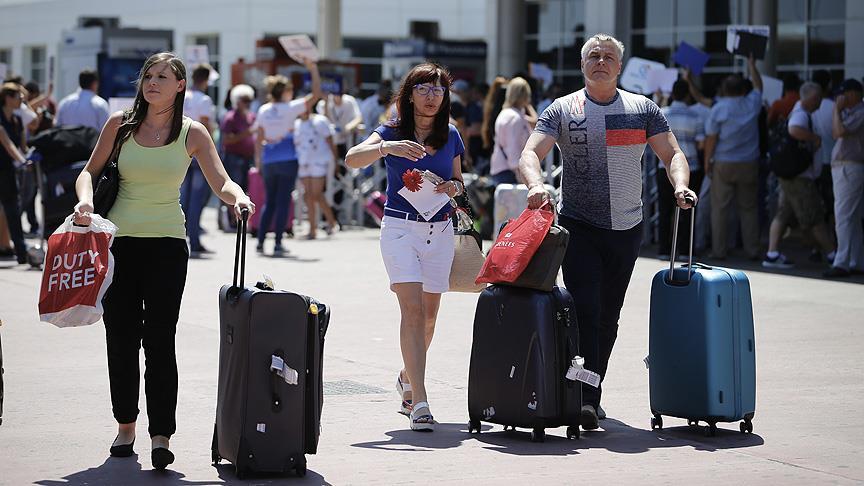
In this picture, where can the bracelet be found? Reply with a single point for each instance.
(381, 149)
(460, 186)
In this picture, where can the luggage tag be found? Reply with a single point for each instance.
(287, 373)
(578, 373)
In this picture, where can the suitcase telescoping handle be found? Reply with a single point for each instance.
(674, 255)
(240, 250)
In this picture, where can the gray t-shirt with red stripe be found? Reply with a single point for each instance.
(601, 146)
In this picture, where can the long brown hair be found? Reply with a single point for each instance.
(133, 117)
(491, 107)
(423, 73)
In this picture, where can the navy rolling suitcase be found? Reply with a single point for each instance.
(702, 357)
(270, 390)
(524, 340)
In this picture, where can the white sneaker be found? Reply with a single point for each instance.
(780, 261)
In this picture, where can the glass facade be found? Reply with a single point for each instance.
(811, 34)
(554, 34)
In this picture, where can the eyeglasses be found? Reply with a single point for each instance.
(424, 89)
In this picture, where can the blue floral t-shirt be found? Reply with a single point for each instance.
(441, 163)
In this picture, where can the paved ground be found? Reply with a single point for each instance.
(809, 429)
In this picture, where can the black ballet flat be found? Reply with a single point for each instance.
(123, 450)
(161, 457)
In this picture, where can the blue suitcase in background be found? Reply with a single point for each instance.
(702, 356)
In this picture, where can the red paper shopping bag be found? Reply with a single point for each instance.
(515, 246)
(77, 272)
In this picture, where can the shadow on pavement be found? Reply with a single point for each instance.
(226, 474)
(128, 471)
(446, 436)
(615, 436)
(120, 471)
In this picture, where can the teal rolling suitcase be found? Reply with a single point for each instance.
(702, 356)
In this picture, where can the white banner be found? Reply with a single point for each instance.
(635, 75)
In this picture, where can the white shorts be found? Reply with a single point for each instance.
(416, 251)
(313, 169)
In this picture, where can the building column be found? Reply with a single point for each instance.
(854, 60)
(764, 12)
(506, 49)
(329, 27)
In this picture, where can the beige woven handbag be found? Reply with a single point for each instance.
(467, 256)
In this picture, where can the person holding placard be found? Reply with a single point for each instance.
(417, 251)
(732, 161)
(275, 153)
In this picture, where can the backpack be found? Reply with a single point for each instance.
(788, 157)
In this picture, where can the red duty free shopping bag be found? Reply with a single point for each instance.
(77, 272)
(516, 245)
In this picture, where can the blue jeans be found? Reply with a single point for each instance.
(504, 177)
(279, 181)
(237, 167)
(194, 193)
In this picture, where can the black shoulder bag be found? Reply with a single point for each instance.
(107, 185)
(789, 157)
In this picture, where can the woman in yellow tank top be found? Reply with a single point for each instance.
(142, 305)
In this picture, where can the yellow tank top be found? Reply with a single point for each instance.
(148, 202)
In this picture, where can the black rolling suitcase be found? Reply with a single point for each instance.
(524, 341)
(270, 392)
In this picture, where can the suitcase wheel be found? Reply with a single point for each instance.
(746, 426)
(474, 426)
(711, 429)
(657, 422)
(300, 470)
(692, 423)
(538, 435)
(573, 432)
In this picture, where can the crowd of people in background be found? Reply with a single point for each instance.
(725, 137)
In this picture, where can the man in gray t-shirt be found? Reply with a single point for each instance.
(602, 132)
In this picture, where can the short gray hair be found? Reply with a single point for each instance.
(241, 91)
(809, 89)
(601, 37)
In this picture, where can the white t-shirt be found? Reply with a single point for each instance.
(372, 111)
(822, 121)
(198, 105)
(277, 119)
(799, 118)
(339, 115)
(310, 138)
(511, 132)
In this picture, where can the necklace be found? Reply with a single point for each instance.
(157, 136)
(420, 139)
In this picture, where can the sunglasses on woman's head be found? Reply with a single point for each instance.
(424, 89)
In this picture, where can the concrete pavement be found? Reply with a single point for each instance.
(57, 423)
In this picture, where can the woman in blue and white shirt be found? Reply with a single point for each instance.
(275, 155)
(417, 251)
